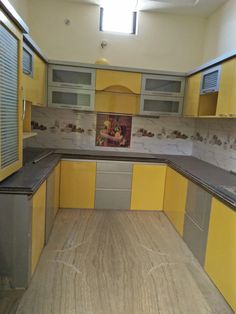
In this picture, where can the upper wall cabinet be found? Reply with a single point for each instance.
(10, 97)
(163, 85)
(107, 79)
(71, 77)
(71, 87)
(226, 105)
(162, 95)
(192, 95)
(34, 77)
(117, 92)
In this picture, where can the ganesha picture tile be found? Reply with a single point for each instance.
(113, 130)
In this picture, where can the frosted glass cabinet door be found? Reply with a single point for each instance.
(71, 98)
(157, 105)
(163, 85)
(71, 76)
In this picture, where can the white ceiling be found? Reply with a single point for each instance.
(187, 7)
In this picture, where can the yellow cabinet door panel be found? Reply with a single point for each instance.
(38, 225)
(57, 173)
(117, 102)
(35, 87)
(220, 263)
(107, 78)
(192, 95)
(77, 187)
(227, 90)
(148, 185)
(175, 198)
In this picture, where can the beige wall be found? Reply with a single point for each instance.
(165, 42)
(21, 7)
(221, 31)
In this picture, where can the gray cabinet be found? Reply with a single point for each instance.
(197, 215)
(113, 185)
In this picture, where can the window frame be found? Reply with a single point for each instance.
(134, 23)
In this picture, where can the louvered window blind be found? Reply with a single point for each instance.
(210, 80)
(8, 98)
(27, 62)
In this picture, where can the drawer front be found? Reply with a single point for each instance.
(195, 238)
(110, 180)
(112, 199)
(114, 166)
(198, 205)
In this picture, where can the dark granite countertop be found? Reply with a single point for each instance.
(28, 179)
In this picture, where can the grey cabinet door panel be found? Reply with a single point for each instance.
(110, 180)
(195, 238)
(114, 166)
(198, 205)
(112, 199)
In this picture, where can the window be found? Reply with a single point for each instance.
(27, 61)
(118, 20)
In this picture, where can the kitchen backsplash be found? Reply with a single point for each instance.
(215, 142)
(212, 140)
(58, 128)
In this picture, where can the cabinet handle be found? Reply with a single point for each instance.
(24, 104)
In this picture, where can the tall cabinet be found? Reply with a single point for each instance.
(10, 97)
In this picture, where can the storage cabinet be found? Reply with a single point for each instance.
(226, 105)
(77, 184)
(175, 198)
(22, 235)
(221, 250)
(159, 105)
(197, 214)
(163, 85)
(52, 200)
(11, 97)
(38, 225)
(70, 98)
(192, 96)
(117, 92)
(107, 78)
(34, 77)
(148, 186)
(71, 77)
(162, 95)
(113, 185)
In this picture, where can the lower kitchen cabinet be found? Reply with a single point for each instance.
(175, 198)
(52, 201)
(22, 235)
(77, 184)
(148, 186)
(113, 185)
(38, 225)
(221, 250)
(197, 215)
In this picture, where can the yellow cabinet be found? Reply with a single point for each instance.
(34, 85)
(57, 173)
(38, 225)
(117, 92)
(226, 104)
(77, 184)
(107, 78)
(192, 95)
(11, 104)
(148, 186)
(220, 263)
(175, 198)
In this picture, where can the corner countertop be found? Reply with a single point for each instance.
(28, 179)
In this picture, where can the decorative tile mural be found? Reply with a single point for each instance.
(113, 130)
